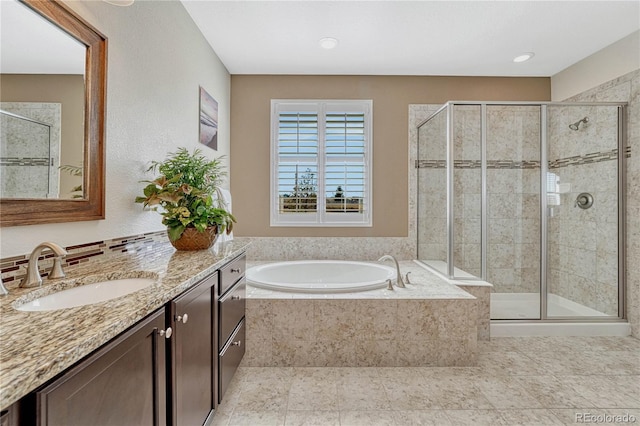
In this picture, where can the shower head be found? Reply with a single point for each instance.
(576, 125)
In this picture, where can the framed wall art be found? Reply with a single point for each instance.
(208, 120)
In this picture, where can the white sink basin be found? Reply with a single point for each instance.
(87, 294)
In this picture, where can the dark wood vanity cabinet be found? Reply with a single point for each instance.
(10, 416)
(122, 383)
(171, 368)
(193, 354)
(231, 309)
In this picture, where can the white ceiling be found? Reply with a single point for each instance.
(396, 37)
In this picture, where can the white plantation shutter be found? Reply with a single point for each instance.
(345, 162)
(297, 161)
(321, 163)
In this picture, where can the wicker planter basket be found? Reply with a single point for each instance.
(192, 239)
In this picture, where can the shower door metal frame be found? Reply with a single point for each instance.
(622, 209)
(544, 216)
(544, 210)
(450, 195)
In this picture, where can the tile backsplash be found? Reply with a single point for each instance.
(12, 269)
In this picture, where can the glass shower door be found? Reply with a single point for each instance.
(513, 138)
(583, 211)
(466, 152)
(432, 190)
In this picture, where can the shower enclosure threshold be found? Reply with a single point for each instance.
(517, 306)
(521, 328)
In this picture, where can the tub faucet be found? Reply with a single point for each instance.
(33, 278)
(399, 281)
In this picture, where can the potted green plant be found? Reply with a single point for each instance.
(183, 195)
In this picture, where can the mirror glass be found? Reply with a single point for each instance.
(42, 107)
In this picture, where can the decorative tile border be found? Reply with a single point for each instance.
(12, 269)
(594, 157)
(476, 164)
(26, 161)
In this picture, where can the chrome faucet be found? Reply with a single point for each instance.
(399, 281)
(33, 278)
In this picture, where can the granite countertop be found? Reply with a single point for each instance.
(36, 346)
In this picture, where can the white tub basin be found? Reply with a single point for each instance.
(87, 294)
(320, 276)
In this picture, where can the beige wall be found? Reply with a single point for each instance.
(391, 95)
(607, 64)
(157, 59)
(67, 90)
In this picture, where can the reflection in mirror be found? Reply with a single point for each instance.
(42, 102)
(53, 78)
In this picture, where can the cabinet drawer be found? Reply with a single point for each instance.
(231, 273)
(232, 307)
(230, 357)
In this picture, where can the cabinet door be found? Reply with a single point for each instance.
(193, 354)
(121, 384)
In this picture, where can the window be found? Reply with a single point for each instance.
(321, 163)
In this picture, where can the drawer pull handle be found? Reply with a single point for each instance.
(166, 333)
(238, 343)
(184, 318)
(235, 297)
(236, 270)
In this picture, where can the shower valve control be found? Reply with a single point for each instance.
(584, 200)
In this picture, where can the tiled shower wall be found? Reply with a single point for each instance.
(27, 150)
(513, 194)
(513, 188)
(582, 252)
(624, 89)
(583, 243)
(431, 140)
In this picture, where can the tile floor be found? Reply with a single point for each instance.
(518, 381)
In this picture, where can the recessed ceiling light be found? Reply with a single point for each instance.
(328, 42)
(524, 57)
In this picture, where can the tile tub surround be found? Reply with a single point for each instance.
(481, 290)
(532, 381)
(36, 346)
(429, 323)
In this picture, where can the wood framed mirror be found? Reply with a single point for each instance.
(90, 203)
